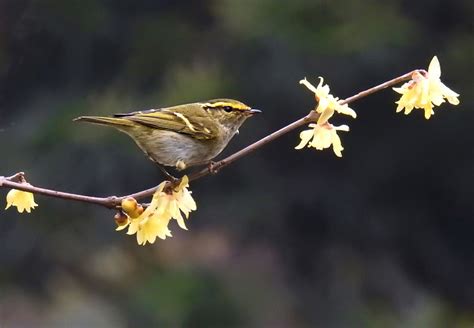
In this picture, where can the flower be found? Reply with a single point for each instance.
(153, 225)
(180, 200)
(425, 90)
(327, 103)
(323, 136)
(167, 204)
(22, 200)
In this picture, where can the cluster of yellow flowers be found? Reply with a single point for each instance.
(166, 204)
(148, 224)
(323, 134)
(423, 91)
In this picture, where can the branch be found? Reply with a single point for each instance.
(311, 117)
(17, 180)
(9, 182)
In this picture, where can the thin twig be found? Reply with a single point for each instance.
(104, 201)
(381, 86)
(17, 181)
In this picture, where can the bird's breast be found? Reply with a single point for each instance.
(168, 147)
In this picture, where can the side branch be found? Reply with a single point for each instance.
(381, 86)
(311, 117)
(17, 180)
(8, 182)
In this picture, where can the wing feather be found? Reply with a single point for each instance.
(170, 120)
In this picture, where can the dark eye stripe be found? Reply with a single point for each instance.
(226, 108)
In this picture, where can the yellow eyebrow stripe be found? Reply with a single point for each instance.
(223, 104)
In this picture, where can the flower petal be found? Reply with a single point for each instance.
(305, 136)
(325, 115)
(434, 69)
(346, 110)
(308, 85)
(336, 144)
(341, 128)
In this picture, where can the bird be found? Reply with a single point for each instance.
(181, 136)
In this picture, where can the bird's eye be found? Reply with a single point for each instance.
(228, 109)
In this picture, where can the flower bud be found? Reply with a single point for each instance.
(139, 210)
(120, 219)
(130, 207)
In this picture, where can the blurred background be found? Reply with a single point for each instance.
(282, 238)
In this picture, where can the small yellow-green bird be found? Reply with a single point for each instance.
(184, 135)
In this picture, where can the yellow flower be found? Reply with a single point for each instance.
(155, 224)
(425, 90)
(165, 205)
(180, 200)
(327, 103)
(22, 200)
(323, 136)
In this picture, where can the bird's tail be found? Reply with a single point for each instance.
(103, 120)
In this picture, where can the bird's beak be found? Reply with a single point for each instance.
(254, 111)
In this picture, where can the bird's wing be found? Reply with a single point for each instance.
(170, 120)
